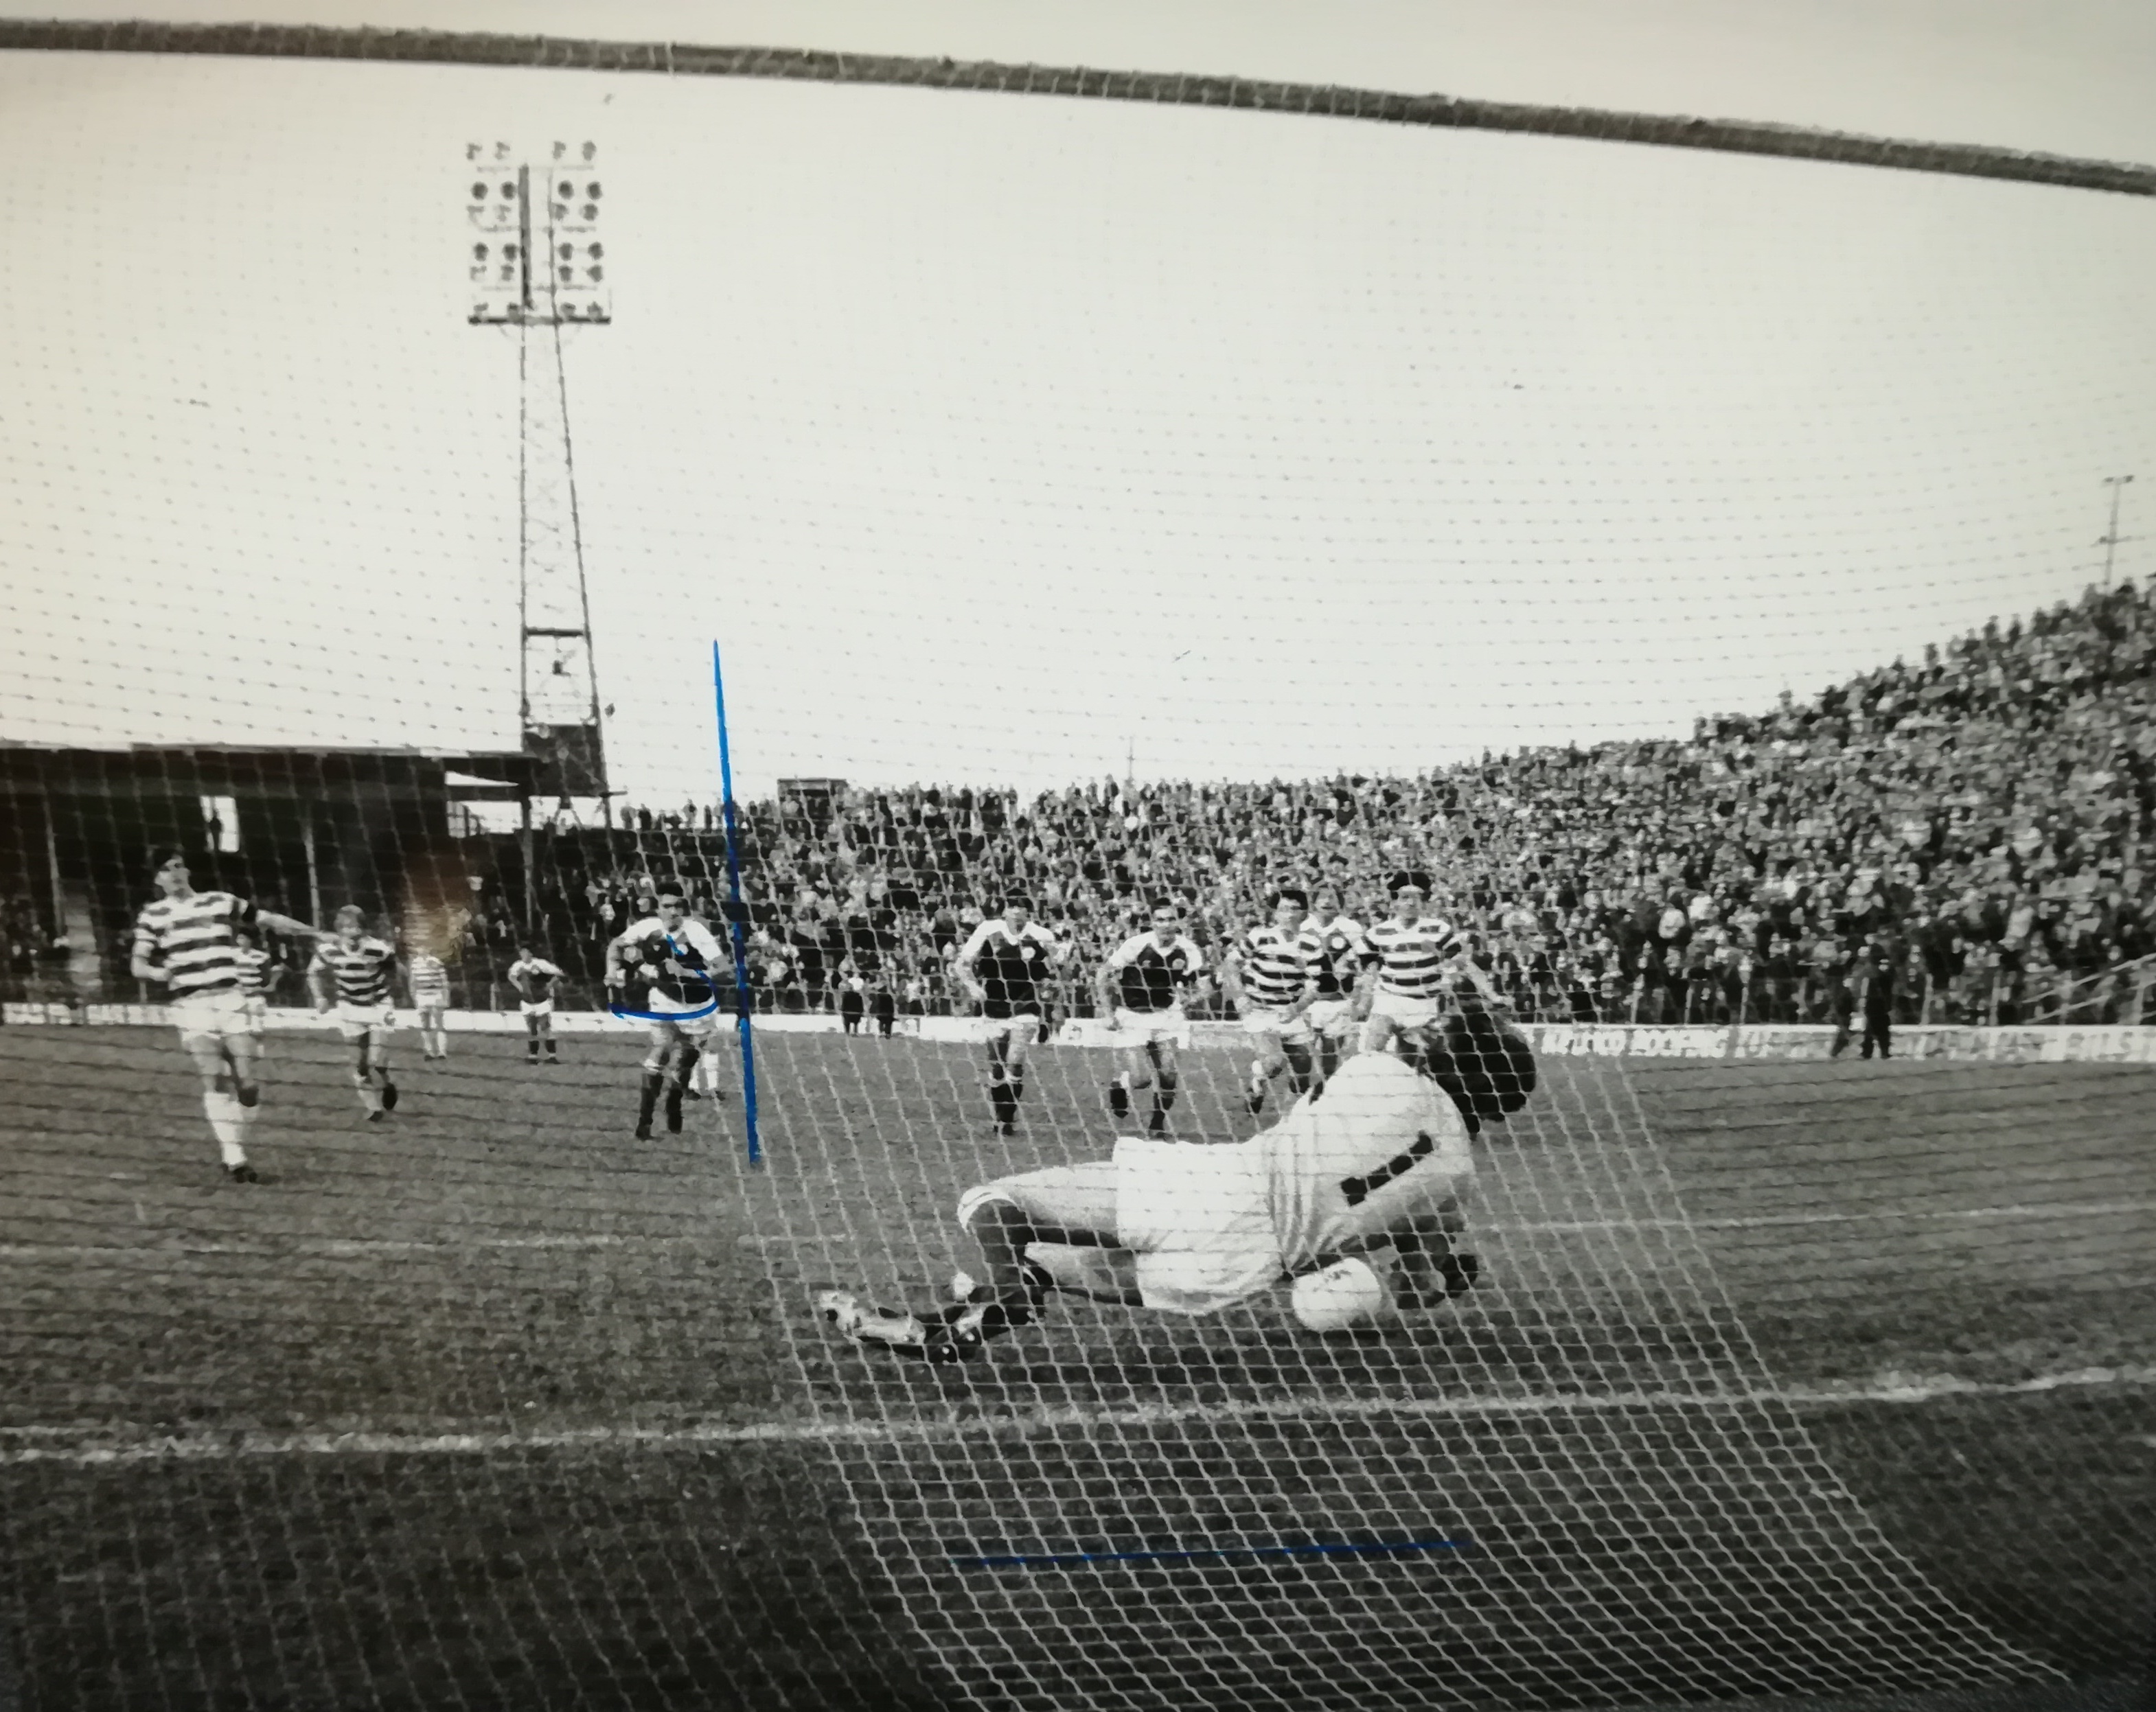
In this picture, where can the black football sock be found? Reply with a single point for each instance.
(648, 1097)
(1017, 1088)
(1158, 1121)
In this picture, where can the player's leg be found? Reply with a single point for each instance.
(704, 1075)
(533, 1019)
(1268, 1063)
(229, 1119)
(1432, 1267)
(242, 1053)
(1037, 1232)
(652, 1082)
(378, 1040)
(1002, 1107)
(359, 1043)
(1024, 1031)
(683, 1065)
(547, 1032)
(1135, 1075)
(1302, 1065)
(1166, 1078)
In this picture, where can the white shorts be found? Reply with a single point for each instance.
(1199, 1220)
(1024, 1027)
(1135, 1028)
(1273, 1019)
(356, 1021)
(430, 1004)
(1332, 1017)
(1406, 1010)
(211, 1016)
(694, 1029)
(256, 1009)
(539, 1008)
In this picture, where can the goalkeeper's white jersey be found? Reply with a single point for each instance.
(1382, 1144)
(1213, 1226)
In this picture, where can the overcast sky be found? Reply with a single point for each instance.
(991, 435)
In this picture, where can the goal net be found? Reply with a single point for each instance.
(695, 770)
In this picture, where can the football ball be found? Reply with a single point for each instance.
(1345, 1296)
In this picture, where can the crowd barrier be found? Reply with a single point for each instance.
(2122, 1044)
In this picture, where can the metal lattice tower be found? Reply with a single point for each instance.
(537, 264)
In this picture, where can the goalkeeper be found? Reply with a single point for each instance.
(1356, 1194)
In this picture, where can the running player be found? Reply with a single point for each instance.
(429, 978)
(1268, 979)
(352, 974)
(1142, 985)
(185, 939)
(533, 978)
(1359, 1199)
(1333, 951)
(659, 969)
(1002, 967)
(1405, 961)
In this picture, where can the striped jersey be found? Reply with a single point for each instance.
(1411, 957)
(1271, 964)
(253, 971)
(360, 968)
(1332, 952)
(189, 941)
(430, 979)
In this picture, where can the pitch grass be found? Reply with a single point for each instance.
(501, 1259)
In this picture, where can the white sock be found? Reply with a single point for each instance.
(228, 1121)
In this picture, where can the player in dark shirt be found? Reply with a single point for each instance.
(1003, 967)
(1142, 987)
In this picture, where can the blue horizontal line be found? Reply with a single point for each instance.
(1054, 1559)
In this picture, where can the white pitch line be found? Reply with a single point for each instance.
(355, 1248)
(1770, 1221)
(116, 1445)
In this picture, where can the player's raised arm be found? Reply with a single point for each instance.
(1105, 984)
(968, 955)
(287, 924)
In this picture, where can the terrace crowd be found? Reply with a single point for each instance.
(1978, 822)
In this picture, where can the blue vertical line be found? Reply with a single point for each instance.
(744, 1000)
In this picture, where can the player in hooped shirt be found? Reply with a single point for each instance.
(1266, 977)
(1004, 965)
(1408, 960)
(429, 979)
(1142, 987)
(186, 941)
(351, 975)
(1333, 951)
